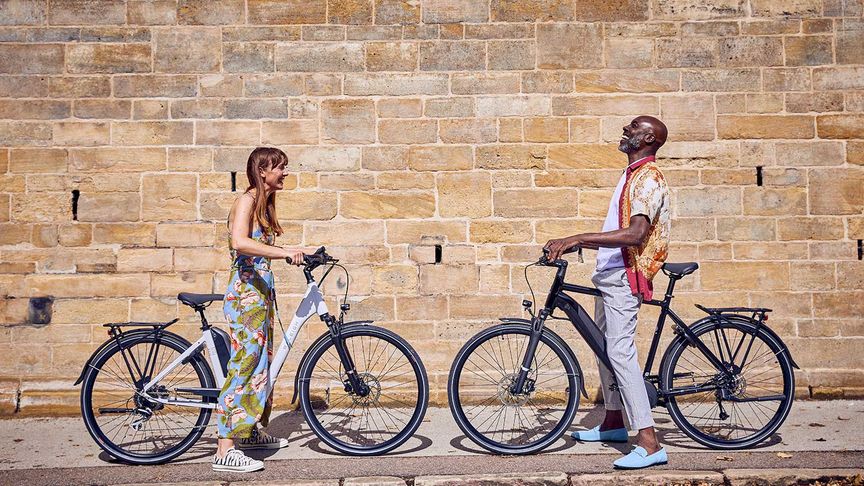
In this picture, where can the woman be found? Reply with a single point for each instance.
(245, 400)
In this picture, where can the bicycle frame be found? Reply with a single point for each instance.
(312, 303)
(587, 328)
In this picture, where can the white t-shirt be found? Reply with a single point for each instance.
(609, 258)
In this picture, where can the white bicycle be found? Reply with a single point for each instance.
(148, 393)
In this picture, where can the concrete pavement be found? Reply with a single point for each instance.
(817, 434)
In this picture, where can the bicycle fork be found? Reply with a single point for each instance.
(354, 383)
(522, 384)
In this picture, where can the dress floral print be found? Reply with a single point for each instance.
(249, 309)
(646, 192)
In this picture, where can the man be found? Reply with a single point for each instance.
(632, 248)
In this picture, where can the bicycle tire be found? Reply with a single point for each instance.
(747, 327)
(568, 361)
(204, 380)
(349, 333)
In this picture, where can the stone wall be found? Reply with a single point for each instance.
(483, 126)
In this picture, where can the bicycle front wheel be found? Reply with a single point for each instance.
(485, 407)
(377, 419)
(128, 424)
(737, 409)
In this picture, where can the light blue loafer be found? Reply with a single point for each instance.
(595, 435)
(639, 458)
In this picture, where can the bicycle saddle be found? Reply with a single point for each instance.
(193, 300)
(680, 269)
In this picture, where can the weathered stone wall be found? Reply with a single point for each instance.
(485, 126)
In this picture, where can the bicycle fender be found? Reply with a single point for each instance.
(554, 336)
(734, 317)
(135, 333)
(322, 337)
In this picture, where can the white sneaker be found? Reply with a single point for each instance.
(237, 462)
(261, 440)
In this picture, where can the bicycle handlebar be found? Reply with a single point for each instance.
(544, 259)
(320, 257)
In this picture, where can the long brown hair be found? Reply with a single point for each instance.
(264, 211)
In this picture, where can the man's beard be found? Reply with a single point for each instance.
(629, 145)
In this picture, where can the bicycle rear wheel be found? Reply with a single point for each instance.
(127, 424)
(376, 420)
(742, 410)
(490, 414)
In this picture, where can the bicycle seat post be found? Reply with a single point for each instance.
(204, 324)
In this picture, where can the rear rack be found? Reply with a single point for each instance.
(755, 312)
(154, 325)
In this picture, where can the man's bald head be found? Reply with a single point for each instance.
(643, 135)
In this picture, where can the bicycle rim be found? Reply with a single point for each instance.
(389, 412)
(758, 396)
(499, 420)
(129, 425)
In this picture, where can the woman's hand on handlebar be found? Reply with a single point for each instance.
(294, 257)
(558, 247)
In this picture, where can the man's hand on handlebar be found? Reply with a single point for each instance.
(555, 248)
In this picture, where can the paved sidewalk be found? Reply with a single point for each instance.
(821, 435)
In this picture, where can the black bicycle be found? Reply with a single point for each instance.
(726, 379)
(148, 393)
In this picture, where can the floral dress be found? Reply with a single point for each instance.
(249, 309)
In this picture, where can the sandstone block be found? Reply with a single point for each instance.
(765, 126)
(840, 126)
(451, 11)
(385, 158)
(361, 205)
(474, 130)
(586, 156)
(273, 85)
(440, 158)
(169, 197)
(485, 83)
(31, 59)
(147, 12)
(243, 57)
(464, 195)
(400, 108)
(187, 50)
(348, 121)
(209, 13)
(154, 86)
(830, 78)
(836, 191)
(547, 82)
(109, 207)
(81, 134)
(693, 53)
(344, 57)
(546, 129)
(86, 12)
(448, 279)
(698, 202)
(425, 308)
(808, 50)
(721, 80)
(395, 279)
(292, 132)
(391, 56)
(23, 13)
(344, 233)
(809, 228)
(395, 84)
(697, 10)
(798, 154)
(796, 8)
(227, 133)
(452, 56)
(349, 11)
(533, 203)
(531, 10)
(407, 131)
(569, 46)
(117, 109)
(152, 133)
(511, 157)
(108, 58)
(500, 231)
(169, 285)
(171, 235)
(137, 234)
(144, 260)
(510, 55)
(397, 12)
(287, 11)
(89, 286)
(780, 201)
(751, 51)
(323, 158)
(30, 161)
(117, 159)
(729, 275)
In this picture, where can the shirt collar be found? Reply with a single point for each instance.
(639, 163)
